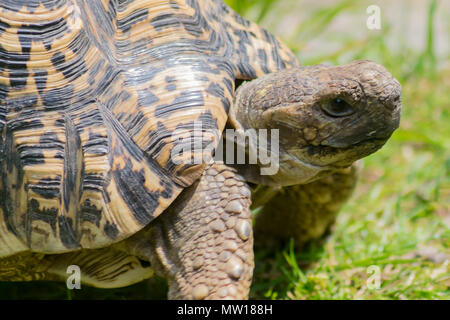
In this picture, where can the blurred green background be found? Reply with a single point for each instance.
(398, 219)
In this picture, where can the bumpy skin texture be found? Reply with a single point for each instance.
(26, 266)
(93, 97)
(203, 244)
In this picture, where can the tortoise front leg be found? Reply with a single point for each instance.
(303, 212)
(203, 244)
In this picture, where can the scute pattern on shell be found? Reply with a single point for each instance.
(92, 94)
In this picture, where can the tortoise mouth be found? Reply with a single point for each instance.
(338, 157)
(330, 148)
(377, 140)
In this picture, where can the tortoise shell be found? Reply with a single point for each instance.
(92, 94)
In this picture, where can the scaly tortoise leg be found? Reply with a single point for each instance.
(203, 243)
(303, 212)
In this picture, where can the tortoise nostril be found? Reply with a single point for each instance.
(397, 96)
(394, 102)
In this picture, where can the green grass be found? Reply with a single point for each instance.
(399, 216)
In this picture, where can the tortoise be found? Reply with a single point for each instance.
(96, 95)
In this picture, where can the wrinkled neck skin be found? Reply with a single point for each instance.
(279, 168)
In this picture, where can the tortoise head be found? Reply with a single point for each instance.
(327, 117)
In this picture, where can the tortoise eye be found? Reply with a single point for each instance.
(337, 108)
